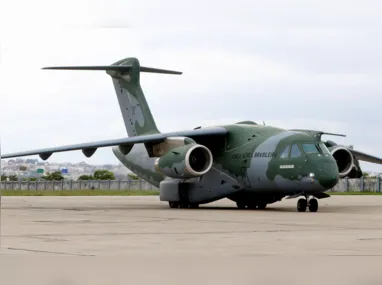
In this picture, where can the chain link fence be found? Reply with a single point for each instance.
(362, 184)
(78, 185)
(344, 185)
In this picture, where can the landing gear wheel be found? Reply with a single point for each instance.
(194, 206)
(184, 205)
(262, 206)
(301, 205)
(173, 204)
(241, 205)
(252, 205)
(313, 205)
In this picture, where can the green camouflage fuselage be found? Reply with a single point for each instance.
(250, 154)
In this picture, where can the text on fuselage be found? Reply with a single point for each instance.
(256, 154)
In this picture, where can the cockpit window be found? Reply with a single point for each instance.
(285, 153)
(295, 151)
(310, 148)
(324, 148)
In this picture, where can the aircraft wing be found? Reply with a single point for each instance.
(365, 157)
(91, 147)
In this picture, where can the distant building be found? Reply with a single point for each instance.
(31, 166)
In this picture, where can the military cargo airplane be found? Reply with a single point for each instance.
(251, 164)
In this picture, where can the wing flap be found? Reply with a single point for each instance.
(90, 147)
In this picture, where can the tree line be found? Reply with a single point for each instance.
(97, 175)
(57, 176)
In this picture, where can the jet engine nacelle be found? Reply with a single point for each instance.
(344, 159)
(186, 161)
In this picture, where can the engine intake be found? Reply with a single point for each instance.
(344, 159)
(187, 161)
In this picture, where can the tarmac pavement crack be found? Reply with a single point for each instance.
(355, 255)
(47, 251)
(369, 239)
(142, 233)
(48, 239)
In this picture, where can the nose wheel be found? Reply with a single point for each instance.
(311, 203)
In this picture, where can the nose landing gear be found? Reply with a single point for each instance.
(301, 205)
(311, 203)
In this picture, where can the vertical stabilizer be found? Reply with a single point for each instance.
(135, 111)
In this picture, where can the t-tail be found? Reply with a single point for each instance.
(135, 110)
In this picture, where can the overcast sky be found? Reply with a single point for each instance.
(293, 64)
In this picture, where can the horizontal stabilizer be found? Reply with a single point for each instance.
(317, 133)
(119, 68)
(333, 134)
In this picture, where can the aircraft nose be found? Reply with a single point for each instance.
(328, 175)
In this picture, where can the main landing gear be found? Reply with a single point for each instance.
(183, 205)
(251, 205)
(311, 203)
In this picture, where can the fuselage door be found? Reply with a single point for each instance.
(244, 175)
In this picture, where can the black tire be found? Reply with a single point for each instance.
(173, 204)
(184, 205)
(313, 205)
(241, 205)
(301, 205)
(252, 205)
(194, 206)
(262, 206)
